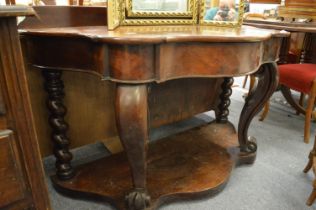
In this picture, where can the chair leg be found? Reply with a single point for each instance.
(252, 83)
(301, 102)
(265, 111)
(308, 117)
(245, 81)
(309, 111)
(286, 92)
(311, 198)
(311, 157)
(311, 163)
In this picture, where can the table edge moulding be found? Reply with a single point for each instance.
(139, 60)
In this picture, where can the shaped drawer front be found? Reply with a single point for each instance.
(11, 180)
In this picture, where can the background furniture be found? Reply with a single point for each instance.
(306, 55)
(311, 164)
(22, 184)
(143, 64)
(302, 78)
(298, 9)
(266, 1)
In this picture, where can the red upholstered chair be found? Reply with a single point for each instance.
(302, 78)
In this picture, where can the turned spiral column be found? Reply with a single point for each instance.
(55, 89)
(223, 112)
(307, 49)
(284, 50)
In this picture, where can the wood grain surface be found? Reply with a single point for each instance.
(22, 176)
(208, 153)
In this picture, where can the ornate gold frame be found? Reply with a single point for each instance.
(120, 13)
(237, 23)
(114, 13)
(164, 14)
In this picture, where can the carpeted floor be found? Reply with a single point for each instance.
(275, 181)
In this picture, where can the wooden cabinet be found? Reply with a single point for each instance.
(298, 9)
(22, 183)
(12, 183)
(300, 3)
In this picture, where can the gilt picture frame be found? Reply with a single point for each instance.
(127, 12)
(237, 22)
(163, 14)
(121, 12)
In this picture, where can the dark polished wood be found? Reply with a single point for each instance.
(174, 172)
(67, 16)
(54, 87)
(284, 51)
(307, 49)
(267, 77)
(22, 183)
(2, 106)
(132, 123)
(157, 70)
(179, 95)
(99, 94)
(12, 185)
(104, 58)
(223, 112)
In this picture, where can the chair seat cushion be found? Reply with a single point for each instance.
(298, 77)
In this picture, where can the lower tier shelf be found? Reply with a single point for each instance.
(191, 164)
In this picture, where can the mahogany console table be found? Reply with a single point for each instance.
(149, 64)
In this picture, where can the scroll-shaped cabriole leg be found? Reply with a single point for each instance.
(223, 112)
(55, 88)
(132, 123)
(267, 81)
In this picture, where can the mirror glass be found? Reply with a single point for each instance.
(221, 10)
(160, 5)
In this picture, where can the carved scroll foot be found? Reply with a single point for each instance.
(223, 112)
(267, 80)
(132, 123)
(248, 155)
(137, 200)
(55, 89)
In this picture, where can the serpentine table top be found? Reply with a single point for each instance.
(201, 42)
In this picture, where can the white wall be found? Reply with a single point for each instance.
(259, 8)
